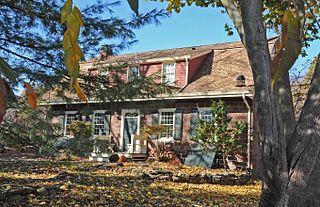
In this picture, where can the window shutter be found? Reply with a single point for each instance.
(154, 121)
(107, 122)
(193, 122)
(62, 123)
(178, 124)
(90, 118)
(155, 118)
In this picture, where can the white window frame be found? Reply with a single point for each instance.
(104, 74)
(164, 79)
(65, 122)
(133, 66)
(93, 120)
(167, 139)
(204, 109)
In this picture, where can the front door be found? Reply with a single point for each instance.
(130, 126)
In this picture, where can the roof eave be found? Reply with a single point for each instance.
(179, 96)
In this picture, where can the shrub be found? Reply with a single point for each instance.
(82, 142)
(217, 133)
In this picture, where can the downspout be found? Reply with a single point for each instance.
(249, 131)
(187, 74)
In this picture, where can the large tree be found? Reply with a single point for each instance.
(31, 45)
(290, 148)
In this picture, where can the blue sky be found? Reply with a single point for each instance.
(191, 27)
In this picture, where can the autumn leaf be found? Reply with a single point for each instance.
(72, 50)
(31, 94)
(79, 92)
(77, 14)
(66, 10)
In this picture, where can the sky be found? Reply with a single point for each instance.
(193, 26)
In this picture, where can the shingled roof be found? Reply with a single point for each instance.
(220, 69)
(218, 72)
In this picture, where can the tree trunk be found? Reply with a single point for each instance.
(274, 162)
(285, 100)
(304, 154)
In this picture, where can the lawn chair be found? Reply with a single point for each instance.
(138, 147)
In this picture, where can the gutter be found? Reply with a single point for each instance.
(180, 96)
(249, 131)
(187, 76)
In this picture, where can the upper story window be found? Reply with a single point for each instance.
(169, 73)
(70, 117)
(205, 115)
(133, 72)
(167, 120)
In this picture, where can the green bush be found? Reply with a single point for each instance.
(218, 133)
(82, 142)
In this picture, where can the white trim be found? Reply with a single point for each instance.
(123, 113)
(178, 96)
(65, 122)
(174, 71)
(93, 117)
(131, 66)
(167, 139)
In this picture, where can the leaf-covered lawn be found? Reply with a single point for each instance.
(40, 183)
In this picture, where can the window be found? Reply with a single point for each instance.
(70, 117)
(98, 123)
(103, 75)
(168, 73)
(167, 120)
(133, 72)
(205, 116)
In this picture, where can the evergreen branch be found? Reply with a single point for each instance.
(29, 59)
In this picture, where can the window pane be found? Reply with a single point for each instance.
(168, 72)
(206, 116)
(98, 124)
(70, 118)
(167, 121)
(133, 72)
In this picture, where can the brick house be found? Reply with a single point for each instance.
(202, 74)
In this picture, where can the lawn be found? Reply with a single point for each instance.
(49, 183)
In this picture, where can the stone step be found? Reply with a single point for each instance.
(99, 159)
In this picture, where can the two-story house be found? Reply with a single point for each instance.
(202, 74)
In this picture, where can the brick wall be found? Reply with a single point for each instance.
(237, 110)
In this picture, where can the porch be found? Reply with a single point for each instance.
(103, 149)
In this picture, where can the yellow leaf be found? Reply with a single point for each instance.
(77, 14)
(32, 97)
(79, 92)
(77, 51)
(66, 10)
(66, 42)
(74, 26)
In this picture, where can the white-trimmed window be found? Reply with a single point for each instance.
(167, 120)
(99, 123)
(70, 117)
(169, 73)
(205, 115)
(103, 74)
(133, 72)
